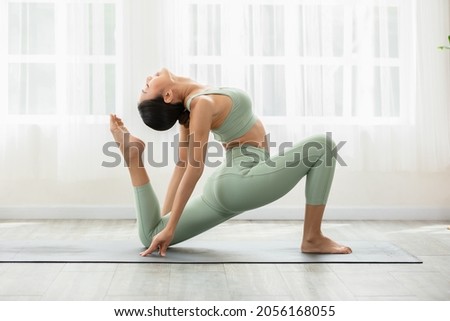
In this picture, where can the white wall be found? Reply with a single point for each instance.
(355, 195)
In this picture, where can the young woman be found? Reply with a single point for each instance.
(249, 177)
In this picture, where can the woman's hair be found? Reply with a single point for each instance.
(160, 115)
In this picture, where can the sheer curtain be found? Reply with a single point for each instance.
(358, 69)
(61, 77)
(367, 71)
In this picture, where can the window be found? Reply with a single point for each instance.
(337, 61)
(62, 58)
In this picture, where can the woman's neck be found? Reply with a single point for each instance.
(185, 87)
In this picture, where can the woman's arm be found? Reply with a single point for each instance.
(199, 127)
(179, 170)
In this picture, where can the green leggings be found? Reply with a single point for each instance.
(248, 179)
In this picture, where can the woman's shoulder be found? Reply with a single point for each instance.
(197, 93)
(198, 100)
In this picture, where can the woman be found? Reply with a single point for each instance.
(249, 178)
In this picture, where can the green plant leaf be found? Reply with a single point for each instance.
(448, 38)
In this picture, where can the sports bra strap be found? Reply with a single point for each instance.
(188, 103)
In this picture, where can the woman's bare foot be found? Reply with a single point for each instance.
(324, 245)
(130, 146)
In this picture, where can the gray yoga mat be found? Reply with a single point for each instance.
(195, 251)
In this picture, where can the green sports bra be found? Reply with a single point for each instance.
(239, 120)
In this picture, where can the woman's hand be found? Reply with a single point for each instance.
(160, 242)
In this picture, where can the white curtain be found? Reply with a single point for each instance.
(60, 74)
(367, 71)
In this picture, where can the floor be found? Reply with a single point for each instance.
(428, 240)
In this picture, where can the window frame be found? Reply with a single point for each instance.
(405, 61)
(61, 58)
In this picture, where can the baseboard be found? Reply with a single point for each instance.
(353, 213)
(264, 213)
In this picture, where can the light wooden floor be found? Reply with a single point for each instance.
(430, 241)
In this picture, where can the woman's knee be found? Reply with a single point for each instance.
(319, 149)
(324, 140)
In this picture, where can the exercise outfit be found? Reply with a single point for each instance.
(248, 178)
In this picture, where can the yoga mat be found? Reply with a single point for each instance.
(195, 251)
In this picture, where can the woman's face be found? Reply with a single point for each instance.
(155, 85)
